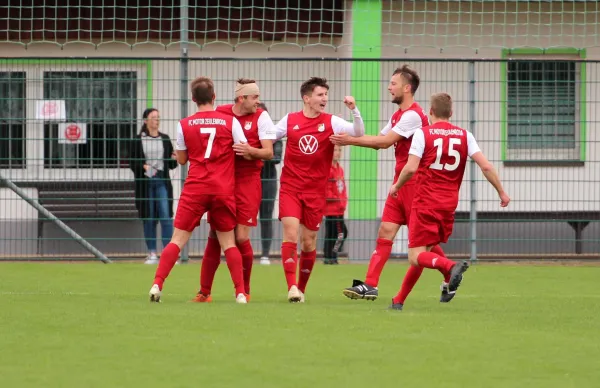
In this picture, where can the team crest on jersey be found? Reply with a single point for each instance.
(248, 125)
(321, 127)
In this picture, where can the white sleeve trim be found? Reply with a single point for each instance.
(473, 147)
(387, 127)
(266, 128)
(408, 124)
(356, 128)
(238, 132)
(180, 144)
(281, 128)
(417, 146)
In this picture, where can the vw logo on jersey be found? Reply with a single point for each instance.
(308, 144)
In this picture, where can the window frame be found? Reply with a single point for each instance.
(23, 163)
(34, 69)
(530, 156)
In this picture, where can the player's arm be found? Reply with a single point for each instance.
(354, 129)
(281, 128)
(405, 128)
(487, 169)
(417, 148)
(181, 148)
(238, 136)
(266, 135)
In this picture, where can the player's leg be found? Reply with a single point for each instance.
(289, 255)
(210, 263)
(248, 198)
(330, 236)
(429, 228)
(234, 263)
(408, 282)
(308, 257)
(224, 221)
(312, 216)
(290, 213)
(242, 240)
(368, 289)
(168, 258)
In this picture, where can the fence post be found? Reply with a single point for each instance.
(473, 183)
(183, 89)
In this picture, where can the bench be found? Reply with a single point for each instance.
(578, 220)
(86, 201)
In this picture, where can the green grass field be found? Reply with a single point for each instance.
(91, 325)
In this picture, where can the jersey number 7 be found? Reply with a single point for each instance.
(438, 144)
(211, 132)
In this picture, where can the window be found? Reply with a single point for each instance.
(12, 120)
(545, 105)
(106, 102)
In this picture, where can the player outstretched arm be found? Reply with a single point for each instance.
(406, 127)
(180, 147)
(353, 129)
(491, 175)
(267, 135)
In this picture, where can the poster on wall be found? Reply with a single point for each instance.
(72, 133)
(50, 110)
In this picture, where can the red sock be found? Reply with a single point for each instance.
(410, 279)
(210, 264)
(289, 259)
(307, 262)
(382, 252)
(167, 261)
(247, 261)
(234, 263)
(433, 261)
(438, 251)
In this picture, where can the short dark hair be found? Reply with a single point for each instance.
(203, 90)
(441, 105)
(410, 76)
(245, 81)
(309, 86)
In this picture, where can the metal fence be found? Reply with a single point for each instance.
(66, 127)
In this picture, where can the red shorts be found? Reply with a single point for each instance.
(397, 209)
(307, 207)
(248, 194)
(429, 227)
(191, 208)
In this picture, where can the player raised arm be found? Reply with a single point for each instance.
(267, 134)
(390, 135)
(487, 169)
(353, 129)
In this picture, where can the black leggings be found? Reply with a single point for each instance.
(336, 233)
(269, 191)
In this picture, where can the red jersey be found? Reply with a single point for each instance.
(308, 151)
(443, 149)
(337, 197)
(257, 126)
(405, 123)
(208, 138)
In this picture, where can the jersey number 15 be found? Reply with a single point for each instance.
(211, 132)
(438, 144)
